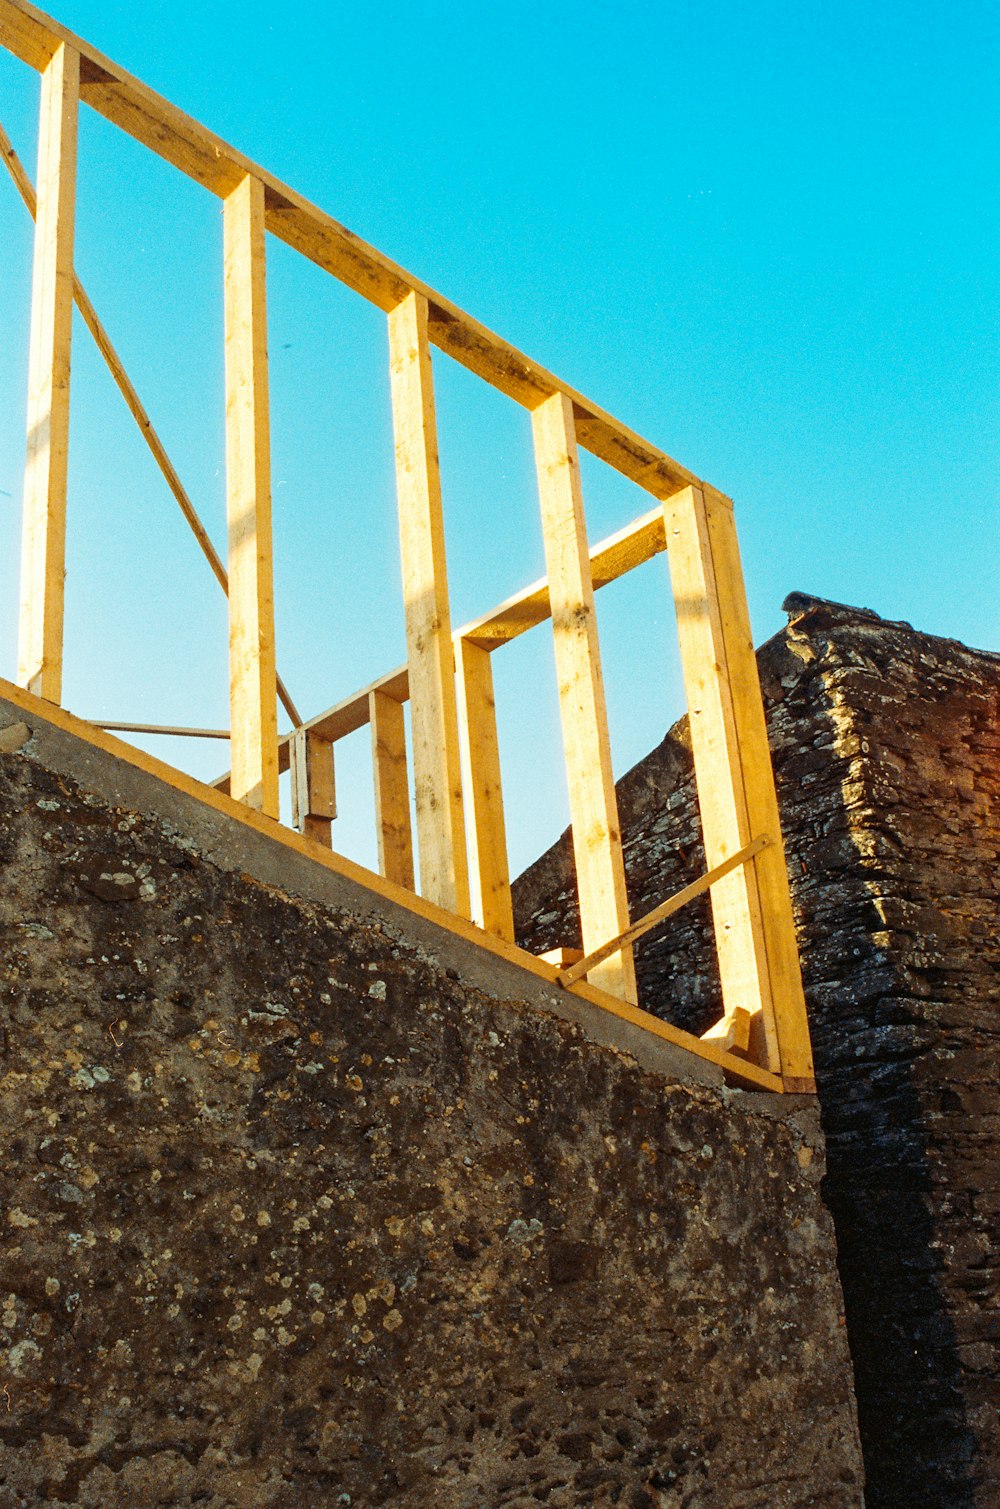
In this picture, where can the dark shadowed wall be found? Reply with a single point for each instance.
(886, 745)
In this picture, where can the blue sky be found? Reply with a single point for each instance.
(765, 237)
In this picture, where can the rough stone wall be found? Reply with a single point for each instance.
(292, 1215)
(886, 745)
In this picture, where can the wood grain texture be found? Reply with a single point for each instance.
(252, 674)
(769, 870)
(43, 538)
(47, 46)
(314, 797)
(583, 713)
(755, 939)
(437, 774)
(721, 795)
(612, 558)
(392, 789)
(489, 875)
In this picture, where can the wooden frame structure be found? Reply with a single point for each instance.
(763, 1037)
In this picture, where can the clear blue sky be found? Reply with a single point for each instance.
(763, 236)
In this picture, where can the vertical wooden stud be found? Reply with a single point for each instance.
(721, 796)
(489, 878)
(314, 800)
(768, 870)
(751, 908)
(430, 659)
(252, 678)
(593, 804)
(43, 548)
(392, 789)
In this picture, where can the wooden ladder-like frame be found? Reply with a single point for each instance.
(460, 839)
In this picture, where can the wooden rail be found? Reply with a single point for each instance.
(632, 546)
(461, 856)
(163, 729)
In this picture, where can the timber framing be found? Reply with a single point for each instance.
(197, 152)
(593, 802)
(450, 731)
(620, 553)
(136, 408)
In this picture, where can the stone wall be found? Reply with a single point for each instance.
(886, 745)
(293, 1212)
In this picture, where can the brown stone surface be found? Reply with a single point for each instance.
(290, 1215)
(886, 745)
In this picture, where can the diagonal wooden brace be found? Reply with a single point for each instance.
(568, 977)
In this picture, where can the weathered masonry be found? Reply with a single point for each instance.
(308, 1199)
(887, 756)
(760, 1038)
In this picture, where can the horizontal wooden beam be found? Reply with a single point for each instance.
(613, 557)
(33, 37)
(354, 712)
(165, 729)
(620, 553)
(343, 718)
